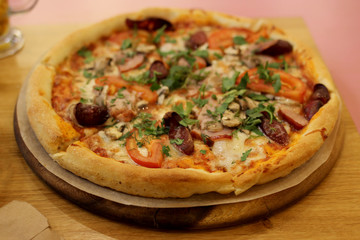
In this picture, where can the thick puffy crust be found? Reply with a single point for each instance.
(51, 130)
(136, 180)
(55, 134)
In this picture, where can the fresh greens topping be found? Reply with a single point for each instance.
(200, 102)
(218, 55)
(87, 54)
(268, 76)
(203, 151)
(239, 40)
(159, 33)
(143, 79)
(228, 83)
(201, 53)
(254, 117)
(177, 77)
(150, 127)
(258, 97)
(176, 141)
(245, 154)
(263, 39)
(244, 81)
(126, 44)
(185, 114)
(166, 150)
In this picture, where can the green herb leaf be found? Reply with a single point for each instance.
(228, 83)
(239, 40)
(276, 82)
(218, 55)
(245, 154)
(176, 141)
(258, 97)
(201, 53)
(159, 33)
(177, 76)
(244, 81)
(166, 150)
(203, 151)
(188, 122)
(126, 44)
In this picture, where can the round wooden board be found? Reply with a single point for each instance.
(199, 217)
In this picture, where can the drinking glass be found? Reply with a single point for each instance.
(11, 39)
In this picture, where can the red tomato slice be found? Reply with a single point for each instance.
(223, 38)
(155, 156)
(118, 82)
(291, 87)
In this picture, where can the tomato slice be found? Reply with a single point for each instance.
(118, 82)
(223, 37)
(155, 156)
(291, 87)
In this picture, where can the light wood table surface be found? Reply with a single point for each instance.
(330, 211)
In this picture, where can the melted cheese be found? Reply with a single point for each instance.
(230, 151)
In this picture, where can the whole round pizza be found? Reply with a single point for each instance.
(170, 103)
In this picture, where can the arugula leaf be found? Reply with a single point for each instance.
(245, 154)
(239, 40)
(166, 150)
(177, 76)
(150, 128)
(258, 97)
(184, 113)
(199, 101)
(269, 77)
(276, 82)
(263, 39)
(228, 83)
(218, 55)
(188, 122)
(159, 33)
(201, 53)
(177, 141)
(126, 44)
(244, 81)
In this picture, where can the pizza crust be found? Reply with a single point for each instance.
(55, 134)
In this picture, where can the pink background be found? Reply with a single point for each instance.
(334, 25)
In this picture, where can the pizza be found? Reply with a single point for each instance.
(171, 103)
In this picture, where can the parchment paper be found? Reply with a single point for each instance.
(293, 179)
(21, 221)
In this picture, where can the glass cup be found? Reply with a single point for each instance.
(11, 39)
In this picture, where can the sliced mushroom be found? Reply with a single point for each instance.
(117, 131)
(213, 126)
(162, 93)
(229, 119)
(142, 104)
(234, 107)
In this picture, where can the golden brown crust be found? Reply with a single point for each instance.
(137, 180)
(52, 131)
(55, 134)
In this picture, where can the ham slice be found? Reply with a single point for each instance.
(132, 63)
(294, 119)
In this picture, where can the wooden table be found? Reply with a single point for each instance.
(332, 210)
